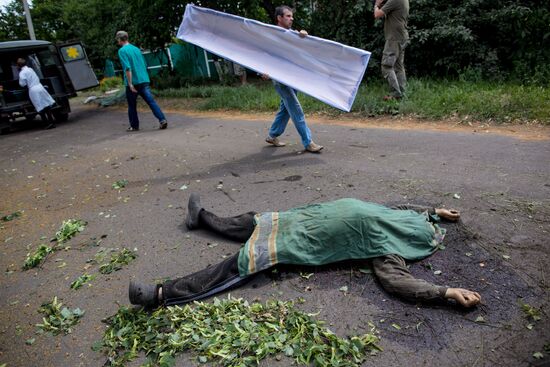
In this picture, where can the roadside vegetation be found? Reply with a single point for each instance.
(430, 99)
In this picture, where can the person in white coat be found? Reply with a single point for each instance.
(40, 98)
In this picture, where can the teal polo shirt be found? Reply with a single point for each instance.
(131, 59)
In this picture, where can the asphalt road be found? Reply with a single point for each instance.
(500, 184)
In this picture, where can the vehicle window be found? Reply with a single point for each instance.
(72, 53)
(46, 58)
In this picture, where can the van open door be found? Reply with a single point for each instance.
(77, 66)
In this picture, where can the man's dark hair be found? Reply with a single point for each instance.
(21, 62)
(280, 10)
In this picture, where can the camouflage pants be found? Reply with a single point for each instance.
(393, 66)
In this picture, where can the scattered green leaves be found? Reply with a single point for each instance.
(58, 319)
(306, 275)
(538, 355)
(530, 311)
(12, 216)
(81, 280)
(118, 260)
(120, 184)
(69, 228)
(36, 258)
(230, 332)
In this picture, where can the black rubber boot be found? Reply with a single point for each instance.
(193, 210)
(145, 295)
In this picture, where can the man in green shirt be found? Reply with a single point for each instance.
(137, 81)
(318, 234)
(396, 14)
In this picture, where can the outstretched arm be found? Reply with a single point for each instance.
(448, 214)
(396, 278)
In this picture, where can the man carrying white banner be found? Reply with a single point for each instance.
(290, 105)
(323, 69)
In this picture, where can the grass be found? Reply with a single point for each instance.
(428, 99)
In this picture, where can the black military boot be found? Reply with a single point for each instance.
(145, 295)
(193, 210)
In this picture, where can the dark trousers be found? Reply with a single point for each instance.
(216, 278)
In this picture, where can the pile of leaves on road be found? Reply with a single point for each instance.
(58, 319)
(69, 229)
(118, 260)
(10, 217)
(81, 280)
(230, 332)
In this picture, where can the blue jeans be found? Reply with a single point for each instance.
(289, 108)
(144, 91)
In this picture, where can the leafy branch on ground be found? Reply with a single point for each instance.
(12, 216)
(230, 332)
(120, 184)
(81, 280)
(58, 319)
(36, 258)
(118, 260)
(69, 229)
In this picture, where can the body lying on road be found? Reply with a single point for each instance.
(318, 234)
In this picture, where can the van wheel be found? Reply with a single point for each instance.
(61, 116)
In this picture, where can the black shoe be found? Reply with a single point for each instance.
(132, 129)
(145, 295)
(50, 126)
(193, 210)
(163, 124)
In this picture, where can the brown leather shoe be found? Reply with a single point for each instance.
(274, 141)
(314, 148)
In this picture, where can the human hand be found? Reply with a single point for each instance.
(265, 76)
(132, 88)
(449, 214)
(464, 297)
(302, 33)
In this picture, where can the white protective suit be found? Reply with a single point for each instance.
(39, 96)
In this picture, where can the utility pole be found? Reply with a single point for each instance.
(29, 20)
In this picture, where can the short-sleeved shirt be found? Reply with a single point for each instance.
(395, 24)
(131, 59)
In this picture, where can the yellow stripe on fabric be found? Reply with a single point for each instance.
(251, 245)
(272, 242)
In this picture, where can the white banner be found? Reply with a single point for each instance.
(326, 70)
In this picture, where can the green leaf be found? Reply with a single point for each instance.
(12, 216)
(396, 326)
(538, 355)
(30, 341)
(479, 319)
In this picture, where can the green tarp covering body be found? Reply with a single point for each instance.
(344, 229)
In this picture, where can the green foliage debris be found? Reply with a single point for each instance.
(230, 332)
(58, 319)
(118, 260)
(69, 228)
(10, 217)
(530, 311)
(120, 184)
(36, 258)
(81, 280)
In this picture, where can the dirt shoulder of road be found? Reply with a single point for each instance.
(522, 131)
